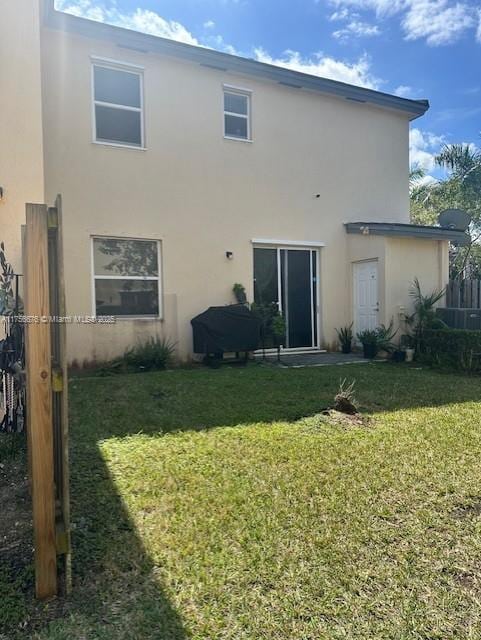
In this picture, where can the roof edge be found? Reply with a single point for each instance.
(145, 43)
(397, 229)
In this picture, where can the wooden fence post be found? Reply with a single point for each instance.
(39, 399)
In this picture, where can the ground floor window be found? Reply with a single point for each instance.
(126, 277)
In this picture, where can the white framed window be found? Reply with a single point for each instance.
(237, 113)
(117, 93)
(126, 277)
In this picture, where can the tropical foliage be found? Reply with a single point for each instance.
(460, 189)
(345, 338)
(424, 316)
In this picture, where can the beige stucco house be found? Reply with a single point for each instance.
(184, 170)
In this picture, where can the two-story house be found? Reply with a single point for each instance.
(184, 170)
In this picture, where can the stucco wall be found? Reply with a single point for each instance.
(400, 261)
(202, 195)
(407, 259)
(21, 154)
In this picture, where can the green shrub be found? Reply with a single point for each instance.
(345, 338)
(154, 354)
(453, 348)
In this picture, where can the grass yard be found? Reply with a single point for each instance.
(217, 504)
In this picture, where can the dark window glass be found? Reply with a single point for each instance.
(236, 127)
(265, 276)
(118, 125)
(119, 297)
(115, 257)
(235, 103)
(117, 87)
(297, 305)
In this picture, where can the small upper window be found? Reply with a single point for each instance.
(126, 277)
(237, 114)
(117, 106)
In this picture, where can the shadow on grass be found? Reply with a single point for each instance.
(197, 399)
(116, 593)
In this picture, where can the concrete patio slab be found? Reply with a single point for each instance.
(313, 359)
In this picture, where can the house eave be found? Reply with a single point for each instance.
(408, 231)
(146, 43)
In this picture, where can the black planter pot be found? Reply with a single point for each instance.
(346, 348)
(369, 350)
(399, 356)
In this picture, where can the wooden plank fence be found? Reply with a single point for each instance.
(39, 400)
(463, 294)
(47, 425)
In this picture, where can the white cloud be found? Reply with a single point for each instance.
(139, 20)
(381, 7)
(406, 91)
(436, 21)
(423, 147)
(217, 42)
(356, 29)
(209, 24)
(357, 73)
(439, 22)
(343, 14)
(403, 91)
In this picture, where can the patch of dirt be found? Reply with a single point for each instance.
(334, 417)
(471, 509)
(345, 419)
(467, 580)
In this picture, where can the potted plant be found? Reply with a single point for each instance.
(369, 340)
(239, 293)
(345, 338)
(408, 346)
(279, 332)
(385, 336)
(399, 355)
(375, 340)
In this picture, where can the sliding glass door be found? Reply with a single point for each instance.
(287, 279)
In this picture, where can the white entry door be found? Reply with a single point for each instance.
(366, 296)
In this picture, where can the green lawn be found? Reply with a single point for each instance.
(215, 504)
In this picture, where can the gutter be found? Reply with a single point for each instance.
(146, 43)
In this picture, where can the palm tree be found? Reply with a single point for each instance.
(461, 189)
(416, 173)
(461, 159)
(424, 316)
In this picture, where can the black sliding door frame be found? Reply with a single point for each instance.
(282, 253)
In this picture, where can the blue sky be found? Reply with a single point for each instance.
(414, 48)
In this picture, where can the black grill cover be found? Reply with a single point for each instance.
(230, 328)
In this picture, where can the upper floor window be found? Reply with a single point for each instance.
(126, 277)
(118, 108)
(237, 107)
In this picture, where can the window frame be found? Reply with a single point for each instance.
(158, 277)
(107, 63)
(246, 93)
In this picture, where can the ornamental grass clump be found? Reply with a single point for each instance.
(155, 354)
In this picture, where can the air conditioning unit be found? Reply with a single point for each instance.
(461, 318)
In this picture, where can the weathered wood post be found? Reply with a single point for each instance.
(39, 398)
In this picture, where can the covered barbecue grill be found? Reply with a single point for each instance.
(232, 328)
